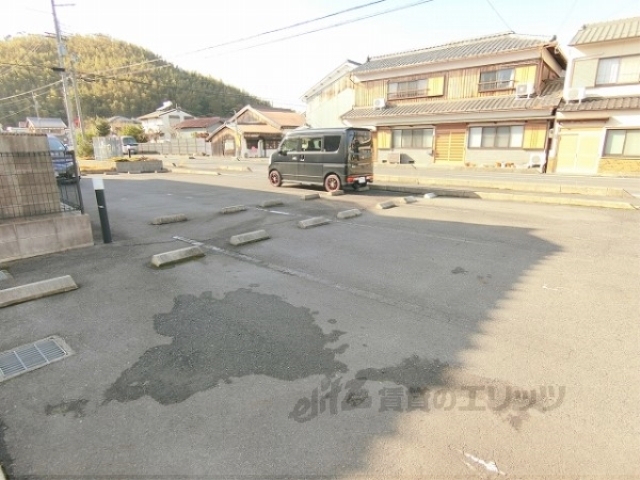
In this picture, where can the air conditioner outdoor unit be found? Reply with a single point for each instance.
(525, 89)
(576, 94)
(379, 104)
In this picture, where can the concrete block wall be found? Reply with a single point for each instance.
(31, 221)
(43, 235)
(27, 181)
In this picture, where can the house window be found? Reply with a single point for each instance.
(618, 70)
(622, 143)
(497, 80)
(416, 88)
(413, 138)
(426, 87)
(507, 136)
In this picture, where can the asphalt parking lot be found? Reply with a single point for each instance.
(441, 338)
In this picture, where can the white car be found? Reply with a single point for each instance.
(129, 144)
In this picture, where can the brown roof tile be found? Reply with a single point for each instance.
(607, 31)
(477, 47)
(284, 118)
(204, 122)
(596, 104)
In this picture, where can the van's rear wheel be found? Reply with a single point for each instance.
(275, 178)
(332, 183)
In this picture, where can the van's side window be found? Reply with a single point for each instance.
(289, 145)
(312, 144)
(331, 143)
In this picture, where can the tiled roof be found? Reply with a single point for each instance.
(244, 129)
(549, 99)
(596, 104)
(607, 31)
(284, 118)
(46, 122)
(478, 47)
(160, 113)
(204, 122)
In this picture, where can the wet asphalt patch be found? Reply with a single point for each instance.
(216, 340)
(413, 372)
(76, 407)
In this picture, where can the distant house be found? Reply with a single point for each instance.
(198, 127)
(331, 97)
(53, 126)
(482, 101)
(599, 122)
(254, 131)
(161, 123)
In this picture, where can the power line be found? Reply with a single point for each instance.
(30, 91)
(500, 16)
(288, 27)
(334, 25)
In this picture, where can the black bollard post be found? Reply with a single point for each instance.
(98, 186)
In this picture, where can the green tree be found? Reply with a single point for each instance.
(133, 90)
(134, 131)
(103, 128)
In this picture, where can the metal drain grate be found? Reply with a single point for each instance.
(34, 355)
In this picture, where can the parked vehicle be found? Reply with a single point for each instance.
(332, 157)
(129, 144)
(64, 162)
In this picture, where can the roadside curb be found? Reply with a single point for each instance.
(522, 197)
(194, 172)
(502, 185)
(512, 191)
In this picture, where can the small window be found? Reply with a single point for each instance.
(622, 143)
(505, 136)
(290, 145)
(412, 89)
(497, 80)
(311, 144)
(618, 70)
(416, 138)
(331, 143)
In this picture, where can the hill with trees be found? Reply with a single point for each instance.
(113, 78)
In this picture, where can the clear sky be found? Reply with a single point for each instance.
(189, 33)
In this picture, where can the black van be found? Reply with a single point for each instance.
(332, 157)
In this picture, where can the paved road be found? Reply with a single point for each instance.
(259, 167)
(428, 340)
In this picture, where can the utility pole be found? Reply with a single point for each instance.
(74, 59)
(63, 73)
(35, 104)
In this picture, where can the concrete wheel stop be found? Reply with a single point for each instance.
(176, 256)
(34, 291)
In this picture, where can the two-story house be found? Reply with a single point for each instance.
(198, 127)
(254, 131)
(160, 125)
(599, 124)
(484, 101)
(331, 97)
